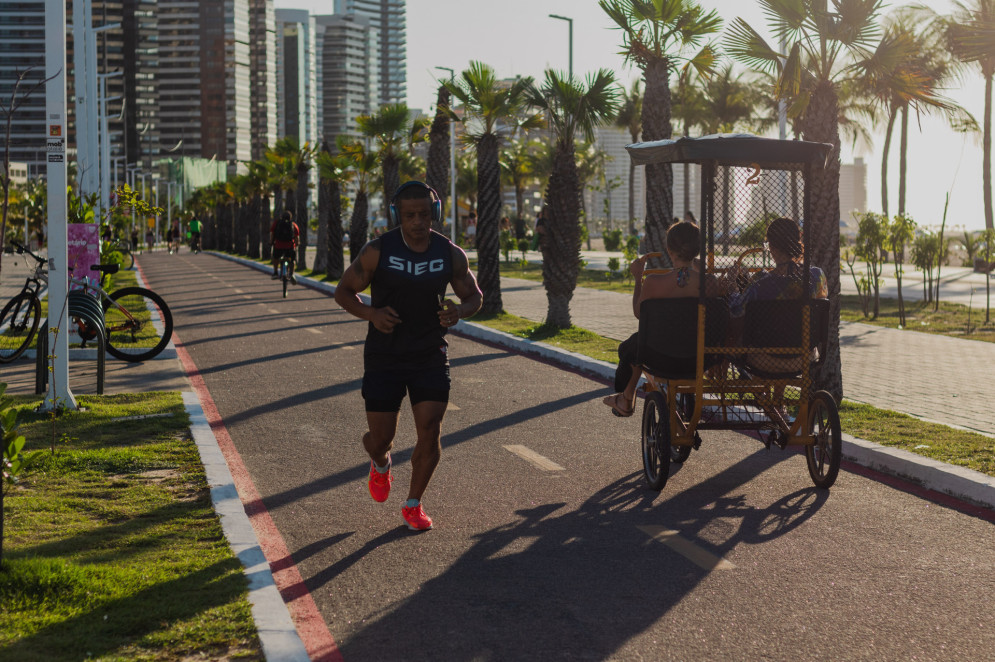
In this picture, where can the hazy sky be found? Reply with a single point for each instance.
(517, 37)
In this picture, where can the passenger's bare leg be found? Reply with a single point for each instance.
(630, 389)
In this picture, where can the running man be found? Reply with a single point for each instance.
(408, 270)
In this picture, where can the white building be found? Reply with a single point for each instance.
(387, 18)
(348, 73)
(853, 192)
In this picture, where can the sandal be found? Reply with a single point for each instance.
(615, 402)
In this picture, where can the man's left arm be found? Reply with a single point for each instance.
(464, 285)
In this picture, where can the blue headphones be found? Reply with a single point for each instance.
(394, 212)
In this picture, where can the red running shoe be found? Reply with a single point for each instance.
(379, 483)
(416, 519)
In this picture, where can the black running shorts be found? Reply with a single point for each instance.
(426, 381)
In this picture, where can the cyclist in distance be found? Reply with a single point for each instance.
(283, 237)
(195, 230)
(408, 270)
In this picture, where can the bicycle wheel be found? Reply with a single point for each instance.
(138, 324)
(18, 325)
(285, 276)
(825, 454)
(657, 451)
(127, 259)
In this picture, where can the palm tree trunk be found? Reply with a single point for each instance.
(659, 176)
(358, 226)
(489, 212)
(884, 161)
(321, 242)
(391, 182)
(986, 169)
(561, 247)
(253, 225)
(333, 241)
(820, 124)
(265, 221)
(437, 165)
(301, 215)
(902, 160)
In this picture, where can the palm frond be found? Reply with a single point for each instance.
(746, 45)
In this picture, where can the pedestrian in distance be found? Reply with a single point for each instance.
(408, 270)
(284, 236)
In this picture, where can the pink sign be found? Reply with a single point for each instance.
(84, 249)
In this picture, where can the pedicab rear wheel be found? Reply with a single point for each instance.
(825, 454)
(657, 449)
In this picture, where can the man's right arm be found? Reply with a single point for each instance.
(357, 277)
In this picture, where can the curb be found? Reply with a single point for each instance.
(961, 483)
(277, 632)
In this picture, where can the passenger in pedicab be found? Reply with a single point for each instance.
(683, 246)
(784, 281)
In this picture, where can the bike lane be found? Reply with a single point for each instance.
(547, 542)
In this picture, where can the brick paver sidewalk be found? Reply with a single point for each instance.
(939, 378)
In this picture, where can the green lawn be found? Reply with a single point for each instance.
(112, 549)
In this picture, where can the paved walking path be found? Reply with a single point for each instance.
(942, 379)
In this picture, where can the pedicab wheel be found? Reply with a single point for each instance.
(825, 454)
(680, 454)
(657, 450)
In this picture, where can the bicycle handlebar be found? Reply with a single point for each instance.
(21, 250)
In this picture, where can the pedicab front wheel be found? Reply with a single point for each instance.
(825, 454)
(657, 450)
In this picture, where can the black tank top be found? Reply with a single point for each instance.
(410, 283)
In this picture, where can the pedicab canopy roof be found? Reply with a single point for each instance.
(732, 149)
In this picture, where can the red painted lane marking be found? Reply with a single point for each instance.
(310, 625)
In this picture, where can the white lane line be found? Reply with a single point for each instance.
(314, 331)
(238, 291)
(451, 407)
(291, 320)
(274, 311)
(686, 548)
(262, 304)
(530, 456)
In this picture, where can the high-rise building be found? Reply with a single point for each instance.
(853, 190)
(297, 76)
(388, 20)
(204, 63)
(141, 108)
(22, 51)
(348, 73)
(262, 30)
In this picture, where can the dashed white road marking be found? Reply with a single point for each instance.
(291, 320)
(313, 330)
(687, 549)
(274, 311)
(238, 291)
(451, 407)
(533, 458)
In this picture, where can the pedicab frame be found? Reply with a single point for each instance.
(696, 380)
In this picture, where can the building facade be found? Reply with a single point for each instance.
(387, 18)
(348, 73)
(853, 191)
(262, 74)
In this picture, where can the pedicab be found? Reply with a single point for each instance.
(708, 369)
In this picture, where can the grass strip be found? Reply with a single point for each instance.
(112, 547)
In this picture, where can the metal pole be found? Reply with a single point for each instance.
(92, 126)
(59, 395)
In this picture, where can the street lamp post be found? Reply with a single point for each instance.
(570, 21)
(452, 165)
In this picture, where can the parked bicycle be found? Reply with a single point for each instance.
(20, 317)
(122, 248)
(137, 322)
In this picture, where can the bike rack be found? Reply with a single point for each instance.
(77, 308)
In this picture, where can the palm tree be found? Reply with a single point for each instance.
(970, 31)
(491, 111)
(570, 108)
(390, 126)
(333, 171)
(258, 184)
(437, 167)
(823, 47)
(362, 163)
(292, 164)
(466, 182)
(629, 118)
(657, 35)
